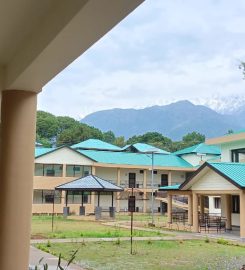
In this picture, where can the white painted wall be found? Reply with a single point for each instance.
(195, 160)
(227, 147)
(213, 181)
(212, 209)
(177, 177)
(64, 156)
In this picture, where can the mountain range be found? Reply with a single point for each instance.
(174, 120)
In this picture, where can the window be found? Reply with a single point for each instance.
(164, 180)
(154, 172)
(48, 170)
(235, 204)
(131, 180)
(141, 171)
(77, 170)
(75, 197)
(238, 155)
(46, 196)
(217, 202)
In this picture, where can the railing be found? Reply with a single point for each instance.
(212, 222)
(179, 217)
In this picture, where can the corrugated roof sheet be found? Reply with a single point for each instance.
(174, 187)
(143, 147)
(128, 158)
(96, 144)
(41, 151)
(201, 148)
(90, 183)
(235, 171)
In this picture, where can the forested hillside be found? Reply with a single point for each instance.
(63, 130)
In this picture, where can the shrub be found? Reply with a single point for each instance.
(222, 241)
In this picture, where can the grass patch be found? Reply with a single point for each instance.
(67, 228)
(152, 255)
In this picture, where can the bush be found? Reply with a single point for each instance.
(222, 241)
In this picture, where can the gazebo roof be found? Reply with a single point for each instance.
(90, 183)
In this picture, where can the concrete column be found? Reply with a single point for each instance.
(169, 178)
(18, 125)
(93, 170)
(144, 195)
(92, 201)
(64, 170)
(242, 214)
(195, 226)
(202, 205)
(190, 210)
(118, 193)
(169, 197)
(227, 209)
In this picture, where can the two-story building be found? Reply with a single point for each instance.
(131, 166)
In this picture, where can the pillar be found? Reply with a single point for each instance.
(169, 198)
(227, 209)
(202, 205)
(118, 193)
(144, 195)
(92, 201)
(242, 214)
(190, 209)
(169, 178)
(195, 226)
(64, 171)
(18, 125)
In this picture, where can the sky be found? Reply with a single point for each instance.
(162, 52)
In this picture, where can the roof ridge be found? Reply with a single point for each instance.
(94, 176)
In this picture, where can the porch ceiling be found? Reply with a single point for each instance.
(40, 38)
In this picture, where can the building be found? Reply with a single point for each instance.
(56, 166)
(199, 153)
(223, 180)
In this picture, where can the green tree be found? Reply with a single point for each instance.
(119, 141)
(47, 125)
(192, 139)
(109, 137)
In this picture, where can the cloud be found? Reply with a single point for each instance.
(164, 51)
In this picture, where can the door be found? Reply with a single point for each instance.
(131, 180)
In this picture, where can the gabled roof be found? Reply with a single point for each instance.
(201, 148)
(96, 145)
(143, 147)
(39, 151)
(128, 158)
(233, 172)
(90, 183)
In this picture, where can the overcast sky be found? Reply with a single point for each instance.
(162, 52)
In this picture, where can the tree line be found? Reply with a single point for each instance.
(63, 130)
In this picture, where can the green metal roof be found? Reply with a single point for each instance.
(41, 151)
(96, 144)
(174, 187)
(234, 171)
(128, 158)
(201, 148)
(143, 147)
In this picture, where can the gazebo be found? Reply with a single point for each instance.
(90, 183)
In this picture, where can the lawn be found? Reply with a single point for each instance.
(152, 255)
(67, 228)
